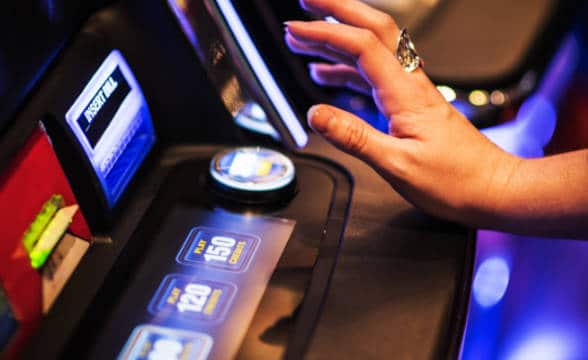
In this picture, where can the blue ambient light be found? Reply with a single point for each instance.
(111, 121)
(547, 346)
(491, 281)
(542, 314)
(252, 169)
(262, 72)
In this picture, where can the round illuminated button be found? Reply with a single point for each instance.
(253, 174)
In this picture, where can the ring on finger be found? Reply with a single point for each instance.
(406, 53)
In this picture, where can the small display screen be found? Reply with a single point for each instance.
(112, 123)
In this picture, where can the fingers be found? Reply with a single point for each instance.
(340, 75)
(377, 65)
(358, 14)
(353, 135)
(305, 48)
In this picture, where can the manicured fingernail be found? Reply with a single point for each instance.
(318, 118)
(292, 24)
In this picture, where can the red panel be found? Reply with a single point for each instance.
(33, 176)
(572, 125)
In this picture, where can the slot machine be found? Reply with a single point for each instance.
(162, 197)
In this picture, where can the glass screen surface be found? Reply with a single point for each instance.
(235, 65)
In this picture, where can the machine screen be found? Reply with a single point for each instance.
(111, 121)
(262, 72)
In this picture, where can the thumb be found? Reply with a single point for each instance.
(352, 134)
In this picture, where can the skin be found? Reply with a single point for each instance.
(432, 155)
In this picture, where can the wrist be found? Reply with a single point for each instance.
(490, 205)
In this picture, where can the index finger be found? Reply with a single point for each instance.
(358, 14)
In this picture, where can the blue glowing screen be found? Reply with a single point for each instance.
(112, 123)
(195, 293)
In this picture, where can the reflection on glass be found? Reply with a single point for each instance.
(252, 117)
(237, 69)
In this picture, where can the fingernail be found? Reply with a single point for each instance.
(313, 72)
(318, 118)
(292, 24)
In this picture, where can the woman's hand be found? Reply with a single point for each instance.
(432, 155)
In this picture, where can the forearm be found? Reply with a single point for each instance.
(544, 197)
